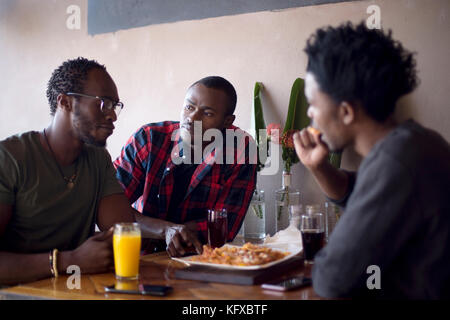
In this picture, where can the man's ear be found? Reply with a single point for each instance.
(347, 113)
(229, 120)
(63, 101)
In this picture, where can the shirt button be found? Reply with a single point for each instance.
(167, 169)
(157, 196)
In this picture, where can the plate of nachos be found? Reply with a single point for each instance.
(246, 257)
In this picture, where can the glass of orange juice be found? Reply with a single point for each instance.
(127, 247)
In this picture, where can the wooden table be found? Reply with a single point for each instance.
(156, 269)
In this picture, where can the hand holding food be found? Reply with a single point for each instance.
(310, 148)
(314, 131)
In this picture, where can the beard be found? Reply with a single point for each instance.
(331, 146)
(186, 136)
(335, 149)
(84, 127)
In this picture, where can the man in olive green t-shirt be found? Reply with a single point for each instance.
(47, 212)
(57, 184)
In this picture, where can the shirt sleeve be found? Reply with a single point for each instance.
(8, 177)
(110, 184)
(379, 219)
(130, 165)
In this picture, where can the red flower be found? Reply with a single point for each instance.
(288, 139)
(273, 131)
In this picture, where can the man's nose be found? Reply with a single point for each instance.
(110, 114)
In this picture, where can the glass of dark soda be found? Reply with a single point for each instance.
(312, 228)
(217, 227)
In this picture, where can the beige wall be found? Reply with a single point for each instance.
(153, 65)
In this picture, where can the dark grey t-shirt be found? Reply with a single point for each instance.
(396, 217)
(47, 214)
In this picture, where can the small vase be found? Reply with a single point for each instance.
(255, 219)
(285, 197)
(333, 213)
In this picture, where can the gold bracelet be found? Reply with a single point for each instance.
(50, 259)
(55, 264)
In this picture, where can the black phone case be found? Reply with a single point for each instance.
(162, 291)
(279, 285)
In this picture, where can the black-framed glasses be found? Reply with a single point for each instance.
(106, 103)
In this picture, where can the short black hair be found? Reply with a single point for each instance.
(219, 83)
(69, 77)
(357, 64)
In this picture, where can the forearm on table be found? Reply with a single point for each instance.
(151, 227)
(20, 267)
(333, 182)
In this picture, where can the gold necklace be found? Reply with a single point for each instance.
(70, 181)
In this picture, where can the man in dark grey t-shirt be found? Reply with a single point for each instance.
(393, 240)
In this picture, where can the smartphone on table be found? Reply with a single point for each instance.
(287, 284)
(144, 289)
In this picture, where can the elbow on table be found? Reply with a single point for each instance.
(326, 290)
(329, 284)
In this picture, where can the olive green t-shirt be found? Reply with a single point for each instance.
(46, 213)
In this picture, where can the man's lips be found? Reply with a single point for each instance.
(187, 127)
(107, 127)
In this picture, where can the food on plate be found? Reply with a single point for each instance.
(313, 130)
(247, 255)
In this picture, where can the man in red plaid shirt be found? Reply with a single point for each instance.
(163, 181)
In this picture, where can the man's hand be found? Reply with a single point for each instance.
(95, 255)
(311, 150)
(179, 237)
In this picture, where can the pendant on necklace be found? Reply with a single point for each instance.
(70, 181)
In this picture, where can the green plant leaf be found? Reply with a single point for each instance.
(259, 123)
(297, 118)
(259, 117)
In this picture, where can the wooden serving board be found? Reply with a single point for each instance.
(245, 277)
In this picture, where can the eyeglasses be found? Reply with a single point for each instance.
(105, 105)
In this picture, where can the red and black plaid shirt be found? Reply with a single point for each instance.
(145, 171)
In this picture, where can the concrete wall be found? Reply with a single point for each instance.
(153, 65)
